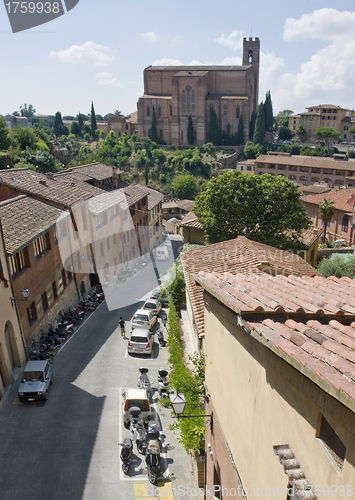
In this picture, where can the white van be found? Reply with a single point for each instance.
(162, 253)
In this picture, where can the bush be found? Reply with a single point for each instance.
(338, 265)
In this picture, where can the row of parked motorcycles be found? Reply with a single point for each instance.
(146, 437)
(47, 345)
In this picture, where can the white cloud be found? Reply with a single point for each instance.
(324, 24)
(150, 36)
(231, 61)
(167, 62)
(195, 62)
(108, 79)
(234, 41)
(89, 54)
(329, 75)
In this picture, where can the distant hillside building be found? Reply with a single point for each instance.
(179, 91)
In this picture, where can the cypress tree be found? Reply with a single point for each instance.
(80, 122)
(93, 120)
(252, 126)
(240, 133)
(153, 127)
(190, 131)
(259, 131)
(215, 133)
(58, 124)
(269, 116)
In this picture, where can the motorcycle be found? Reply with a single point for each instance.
(143, 380)
(153, 451)
(126, 454)
(163, 384)
(138, 429)
(161, 340)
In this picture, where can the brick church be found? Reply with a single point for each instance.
(179, 91)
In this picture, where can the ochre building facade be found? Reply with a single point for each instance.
(176, 92)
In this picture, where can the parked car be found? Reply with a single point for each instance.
(135, 397)
(35, 381)
(161, 252)
(167, 243)
(161, 294)
(141, 341)
(153, 305)
(143, 319)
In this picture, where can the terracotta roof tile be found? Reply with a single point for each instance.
(24, 219)
(191, 220)
(134, 193)
(340, 197)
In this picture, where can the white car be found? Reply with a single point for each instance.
(144, 319)
(153, 305)
(138, 398)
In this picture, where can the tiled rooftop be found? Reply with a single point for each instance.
(39, 185)
(237, 256)
(20, 230)
(308, 321)
(191, 220)
(154, 197)
(97, 171)
(134, 193)
(309, 236)
(340, 198)
(306, 161)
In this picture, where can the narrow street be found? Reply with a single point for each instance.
(67, 447)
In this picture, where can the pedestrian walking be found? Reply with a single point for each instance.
(122, 326)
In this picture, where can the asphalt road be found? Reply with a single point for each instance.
(68, 447)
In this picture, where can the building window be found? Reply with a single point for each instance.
(188, 108)
(148, 111)
(159, 111)
(193, 97)
(114, 238)
(18, 261)
(345, 223)
(184, 108)
(237, 112)
(161, 133)
(44, 302)
(193, 108)
(70, 276)
(108, 244)
(54, 290)
(41, 245)
(171, 110)
(183, 98)
(182, 135)
(32, 314)
(332, 443)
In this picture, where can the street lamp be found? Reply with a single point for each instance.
(178, 402)
(25, 293)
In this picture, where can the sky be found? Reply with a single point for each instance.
(98, 50)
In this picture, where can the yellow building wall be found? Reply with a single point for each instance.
(262, 401)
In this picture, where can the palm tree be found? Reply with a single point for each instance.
(326, 213)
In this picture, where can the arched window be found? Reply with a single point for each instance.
(183, 98)
(237, 112)
(193, 108)
(184, 108)
(193, 98)
(188, 108)
(148, 111)
(345, 223)
(188, 97)
(250, 56)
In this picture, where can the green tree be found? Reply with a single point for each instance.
(117, 113)
(252, 125)
(153, 126)
(75, 129)
(240, 133)
(338, 265)
(259, 131)
(184, 187)
(281, 119)
(24, 137)
(59, 127)
(285, 133)
(41, 160)
(301, 132)
(326, 213)
(80, 118)
(269, 116)
(86, 129)
(329, 136)
(263, 208)
(93, 121)
(190, 131)
(4, 134)
(210, 150)
(250, 150)
(27, 111)
(215, 132)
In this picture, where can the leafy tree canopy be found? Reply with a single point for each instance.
(263, 208)
(329, 135)
(184, 187)
(285, 133)
(281, 118)
(338, 265)
(27, 111)
(4, 134)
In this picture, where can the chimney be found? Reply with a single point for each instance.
(43, 182)
(50, 175)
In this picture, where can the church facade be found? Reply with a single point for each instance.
(176, 92)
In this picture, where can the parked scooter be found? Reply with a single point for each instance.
(143, 380)
(153, 451)
(138, 429)
(126, 454)
(161, 340)
(163, 384)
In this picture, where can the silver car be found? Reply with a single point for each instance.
(35, 381)
(144, 319)
(141, 342)
(153, 305)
